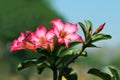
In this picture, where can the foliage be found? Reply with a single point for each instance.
(104, 75)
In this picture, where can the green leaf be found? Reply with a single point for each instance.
(69, 75)
(89, 25)
(43, 51)
(68, 70)
(66, 57)
(88, 38)
(92, 45)
(114, 73)
(41, 67)
(100, 74)
(83, 29)
(70, 50)
(74, 43)
(87, 30)
(27, 64)
(84, 53)
(73, 76)
(41, 59)
(98, 37)
(57, 49)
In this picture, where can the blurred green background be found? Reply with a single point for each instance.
(20, 15)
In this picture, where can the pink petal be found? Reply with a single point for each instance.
(57, 23)
(74, 37)
(70, 28)
(32, 37)
(60, 40)
(40, 31)
(66, 43)
(50, 34)
(56, 31)
(21, 37)
(15, 45)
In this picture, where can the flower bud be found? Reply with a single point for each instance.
(99, 28)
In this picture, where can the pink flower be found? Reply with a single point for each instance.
(42, 37)
(22, 43)
(65, 32)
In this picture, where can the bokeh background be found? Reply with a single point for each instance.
(19, 15)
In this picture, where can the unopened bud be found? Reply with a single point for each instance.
(99, 28)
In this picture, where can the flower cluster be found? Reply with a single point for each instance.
(42, 37)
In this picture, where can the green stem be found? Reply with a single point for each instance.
(54, 74)
(69, 61)
(61, 73)
(74, 57)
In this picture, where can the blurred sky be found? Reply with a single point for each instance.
(97, 11)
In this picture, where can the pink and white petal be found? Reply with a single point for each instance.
(50, 34)
(32, 37)
(14, 49)
(40, 31)
(60, 40)
(57, 23)
(70, 28)
(21, 37)
(15, 45)
(56, 31)
(66, 42)
(75, 37)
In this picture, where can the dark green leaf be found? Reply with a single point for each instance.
(66, 57)
(86, 30)
(92, 45)
(41, 59)
(114, 73)
(27, 64)
(57, 49)
(41, 67)
(39, 50)
(67, 74)
(68, 70)
(72, 44)
(73, 76)
(43, 51)
(89, 25)
(88, 38)
(83, 28)
(98, 37)
(100, 74)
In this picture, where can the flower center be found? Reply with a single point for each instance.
(62, 34)
(42, 40)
